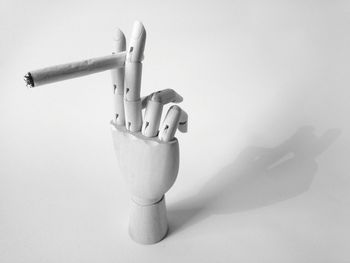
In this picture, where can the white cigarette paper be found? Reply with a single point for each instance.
(74, 70)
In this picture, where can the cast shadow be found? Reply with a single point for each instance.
(258, 177)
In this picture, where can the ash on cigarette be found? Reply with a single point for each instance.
(29, 80)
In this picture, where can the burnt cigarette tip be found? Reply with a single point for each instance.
(29, 80)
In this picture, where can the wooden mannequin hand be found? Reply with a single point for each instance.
(148, 158)
(147, 152)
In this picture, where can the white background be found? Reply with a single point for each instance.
(264, 79)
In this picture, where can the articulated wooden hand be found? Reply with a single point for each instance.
(148, 156)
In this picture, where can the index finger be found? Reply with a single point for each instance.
(118, 80)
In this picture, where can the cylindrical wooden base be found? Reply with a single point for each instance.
(148, 223)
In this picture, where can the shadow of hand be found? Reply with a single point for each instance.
(258, 177)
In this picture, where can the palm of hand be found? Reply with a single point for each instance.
(148, 165)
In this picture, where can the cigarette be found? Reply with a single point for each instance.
(74, 70)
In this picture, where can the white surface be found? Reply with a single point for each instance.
(251, 74)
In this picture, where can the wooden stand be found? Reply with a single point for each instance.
(148, 223)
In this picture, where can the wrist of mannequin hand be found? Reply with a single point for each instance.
(146, 202)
